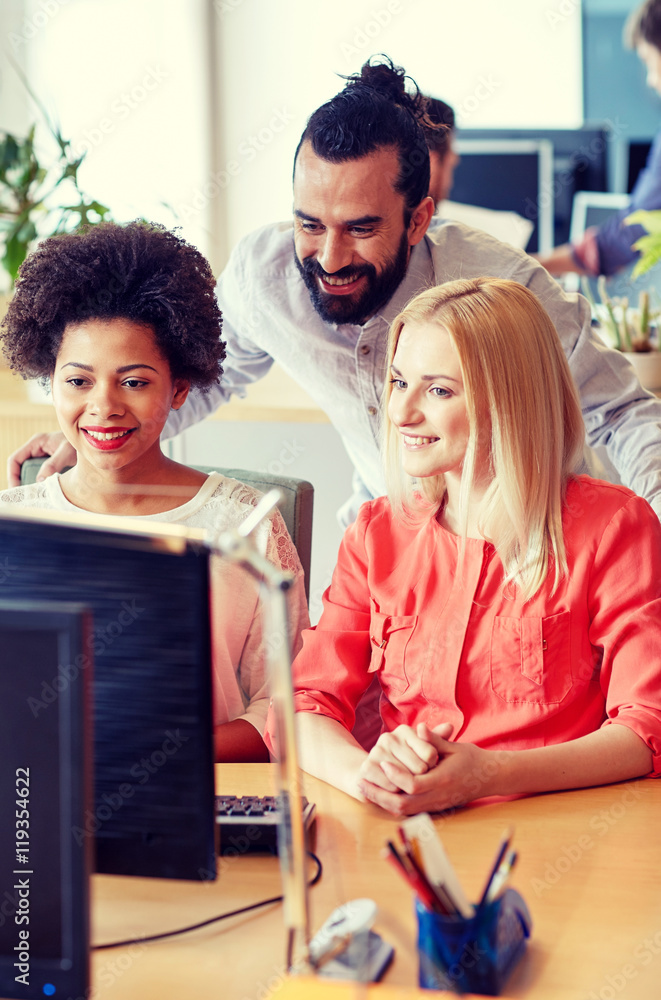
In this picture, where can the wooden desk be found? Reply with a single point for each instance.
(589, 868)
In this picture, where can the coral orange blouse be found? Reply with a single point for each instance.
(460, 647)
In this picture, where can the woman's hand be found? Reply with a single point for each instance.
(420, 771)
(405, 750)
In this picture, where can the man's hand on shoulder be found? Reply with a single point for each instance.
(53, 444)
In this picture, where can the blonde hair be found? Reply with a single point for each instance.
(521, 401)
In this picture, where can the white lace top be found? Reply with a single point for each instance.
(238, 648)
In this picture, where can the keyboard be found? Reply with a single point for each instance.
(249, 823)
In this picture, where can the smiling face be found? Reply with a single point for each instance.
(352, 246)
(428, 402)
(113, 390)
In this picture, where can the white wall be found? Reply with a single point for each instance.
(511, 63)
(127, 83)
(191, 110)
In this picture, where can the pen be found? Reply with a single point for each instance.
(500, 854)
(443, 901)
(413, 878)
(501, 876)
(413, 854)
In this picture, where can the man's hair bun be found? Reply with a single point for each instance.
(390, 81)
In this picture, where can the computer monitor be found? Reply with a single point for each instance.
(639, 151)
(582, 161)
(509, 175)
(46, 786)
(592, 208)
(629, 160)
(149, 650)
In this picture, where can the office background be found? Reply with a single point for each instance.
(190, 112)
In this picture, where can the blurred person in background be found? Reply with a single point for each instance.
(607, 249)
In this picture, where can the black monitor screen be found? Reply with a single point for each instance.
(153, 808)
(639, 150)
(508, 176)
(581, 162)
(45, 787)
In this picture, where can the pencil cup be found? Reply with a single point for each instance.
(474, 955)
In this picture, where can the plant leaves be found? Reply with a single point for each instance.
(648, 261)
(26, 194)
(649, 220)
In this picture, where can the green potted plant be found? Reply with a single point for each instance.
(38, 197)
(632, 328)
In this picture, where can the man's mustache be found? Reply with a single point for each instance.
(312, 267)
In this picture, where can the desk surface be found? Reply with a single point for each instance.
(589, 869)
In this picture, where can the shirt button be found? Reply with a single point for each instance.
(365, 349)
(372, 410)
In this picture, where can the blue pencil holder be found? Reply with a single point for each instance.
(474, 955)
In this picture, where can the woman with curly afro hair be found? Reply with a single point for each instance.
(123, 320)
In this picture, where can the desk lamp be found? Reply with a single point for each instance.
(346, 936)
(239, 547)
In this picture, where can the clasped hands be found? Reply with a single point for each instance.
(412, 770)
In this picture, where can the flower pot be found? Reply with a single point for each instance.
(647, 365)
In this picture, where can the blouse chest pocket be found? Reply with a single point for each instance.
(389, 638)
(531, 659)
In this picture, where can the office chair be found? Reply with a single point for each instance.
(296, 504)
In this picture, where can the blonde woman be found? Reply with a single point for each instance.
(510, 609)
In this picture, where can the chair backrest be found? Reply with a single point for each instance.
(296, 504)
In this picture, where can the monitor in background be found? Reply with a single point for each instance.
(582, 161)
(46, 787)
(639, 150)
(148, 591)
(629, 159)
(591, 208)
(509, 175)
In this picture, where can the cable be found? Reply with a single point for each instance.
(212, 920)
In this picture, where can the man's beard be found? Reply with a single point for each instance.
(347, 308)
